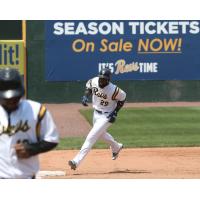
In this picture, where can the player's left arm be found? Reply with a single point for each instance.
(120, 97)
(24, 149)
(48, 139)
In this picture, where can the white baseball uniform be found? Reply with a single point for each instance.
(31, 121)
(104, 101)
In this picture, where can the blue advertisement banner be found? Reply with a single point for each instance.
(132, 50)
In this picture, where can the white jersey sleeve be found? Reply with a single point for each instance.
(48, 130)
(89, 84)
(45, 126)
(119, 94)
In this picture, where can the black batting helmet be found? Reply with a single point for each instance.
(105, 73)
(10, 83)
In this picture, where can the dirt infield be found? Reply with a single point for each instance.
(144, 163)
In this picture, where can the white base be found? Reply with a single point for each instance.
(41, 174)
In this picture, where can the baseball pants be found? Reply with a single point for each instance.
(98, 131)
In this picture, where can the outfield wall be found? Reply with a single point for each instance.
(71, 91)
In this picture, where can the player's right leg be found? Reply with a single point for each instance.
(99, 128)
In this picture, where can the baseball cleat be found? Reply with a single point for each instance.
(115, 155)
(72, 164)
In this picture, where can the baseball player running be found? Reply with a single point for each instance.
(26, 129)
(107, 100)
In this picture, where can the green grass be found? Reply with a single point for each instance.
(149, 127)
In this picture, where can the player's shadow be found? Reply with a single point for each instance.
(126, 171)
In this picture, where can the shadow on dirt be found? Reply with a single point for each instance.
(126, 171)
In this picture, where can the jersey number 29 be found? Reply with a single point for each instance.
(104, 103)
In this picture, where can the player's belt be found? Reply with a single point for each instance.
(100, 112)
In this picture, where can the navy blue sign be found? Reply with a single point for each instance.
(132, 50)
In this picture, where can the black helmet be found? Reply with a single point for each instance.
(10, 83)
(105, 73)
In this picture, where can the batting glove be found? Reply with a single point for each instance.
(84, 101)
(112, 116)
